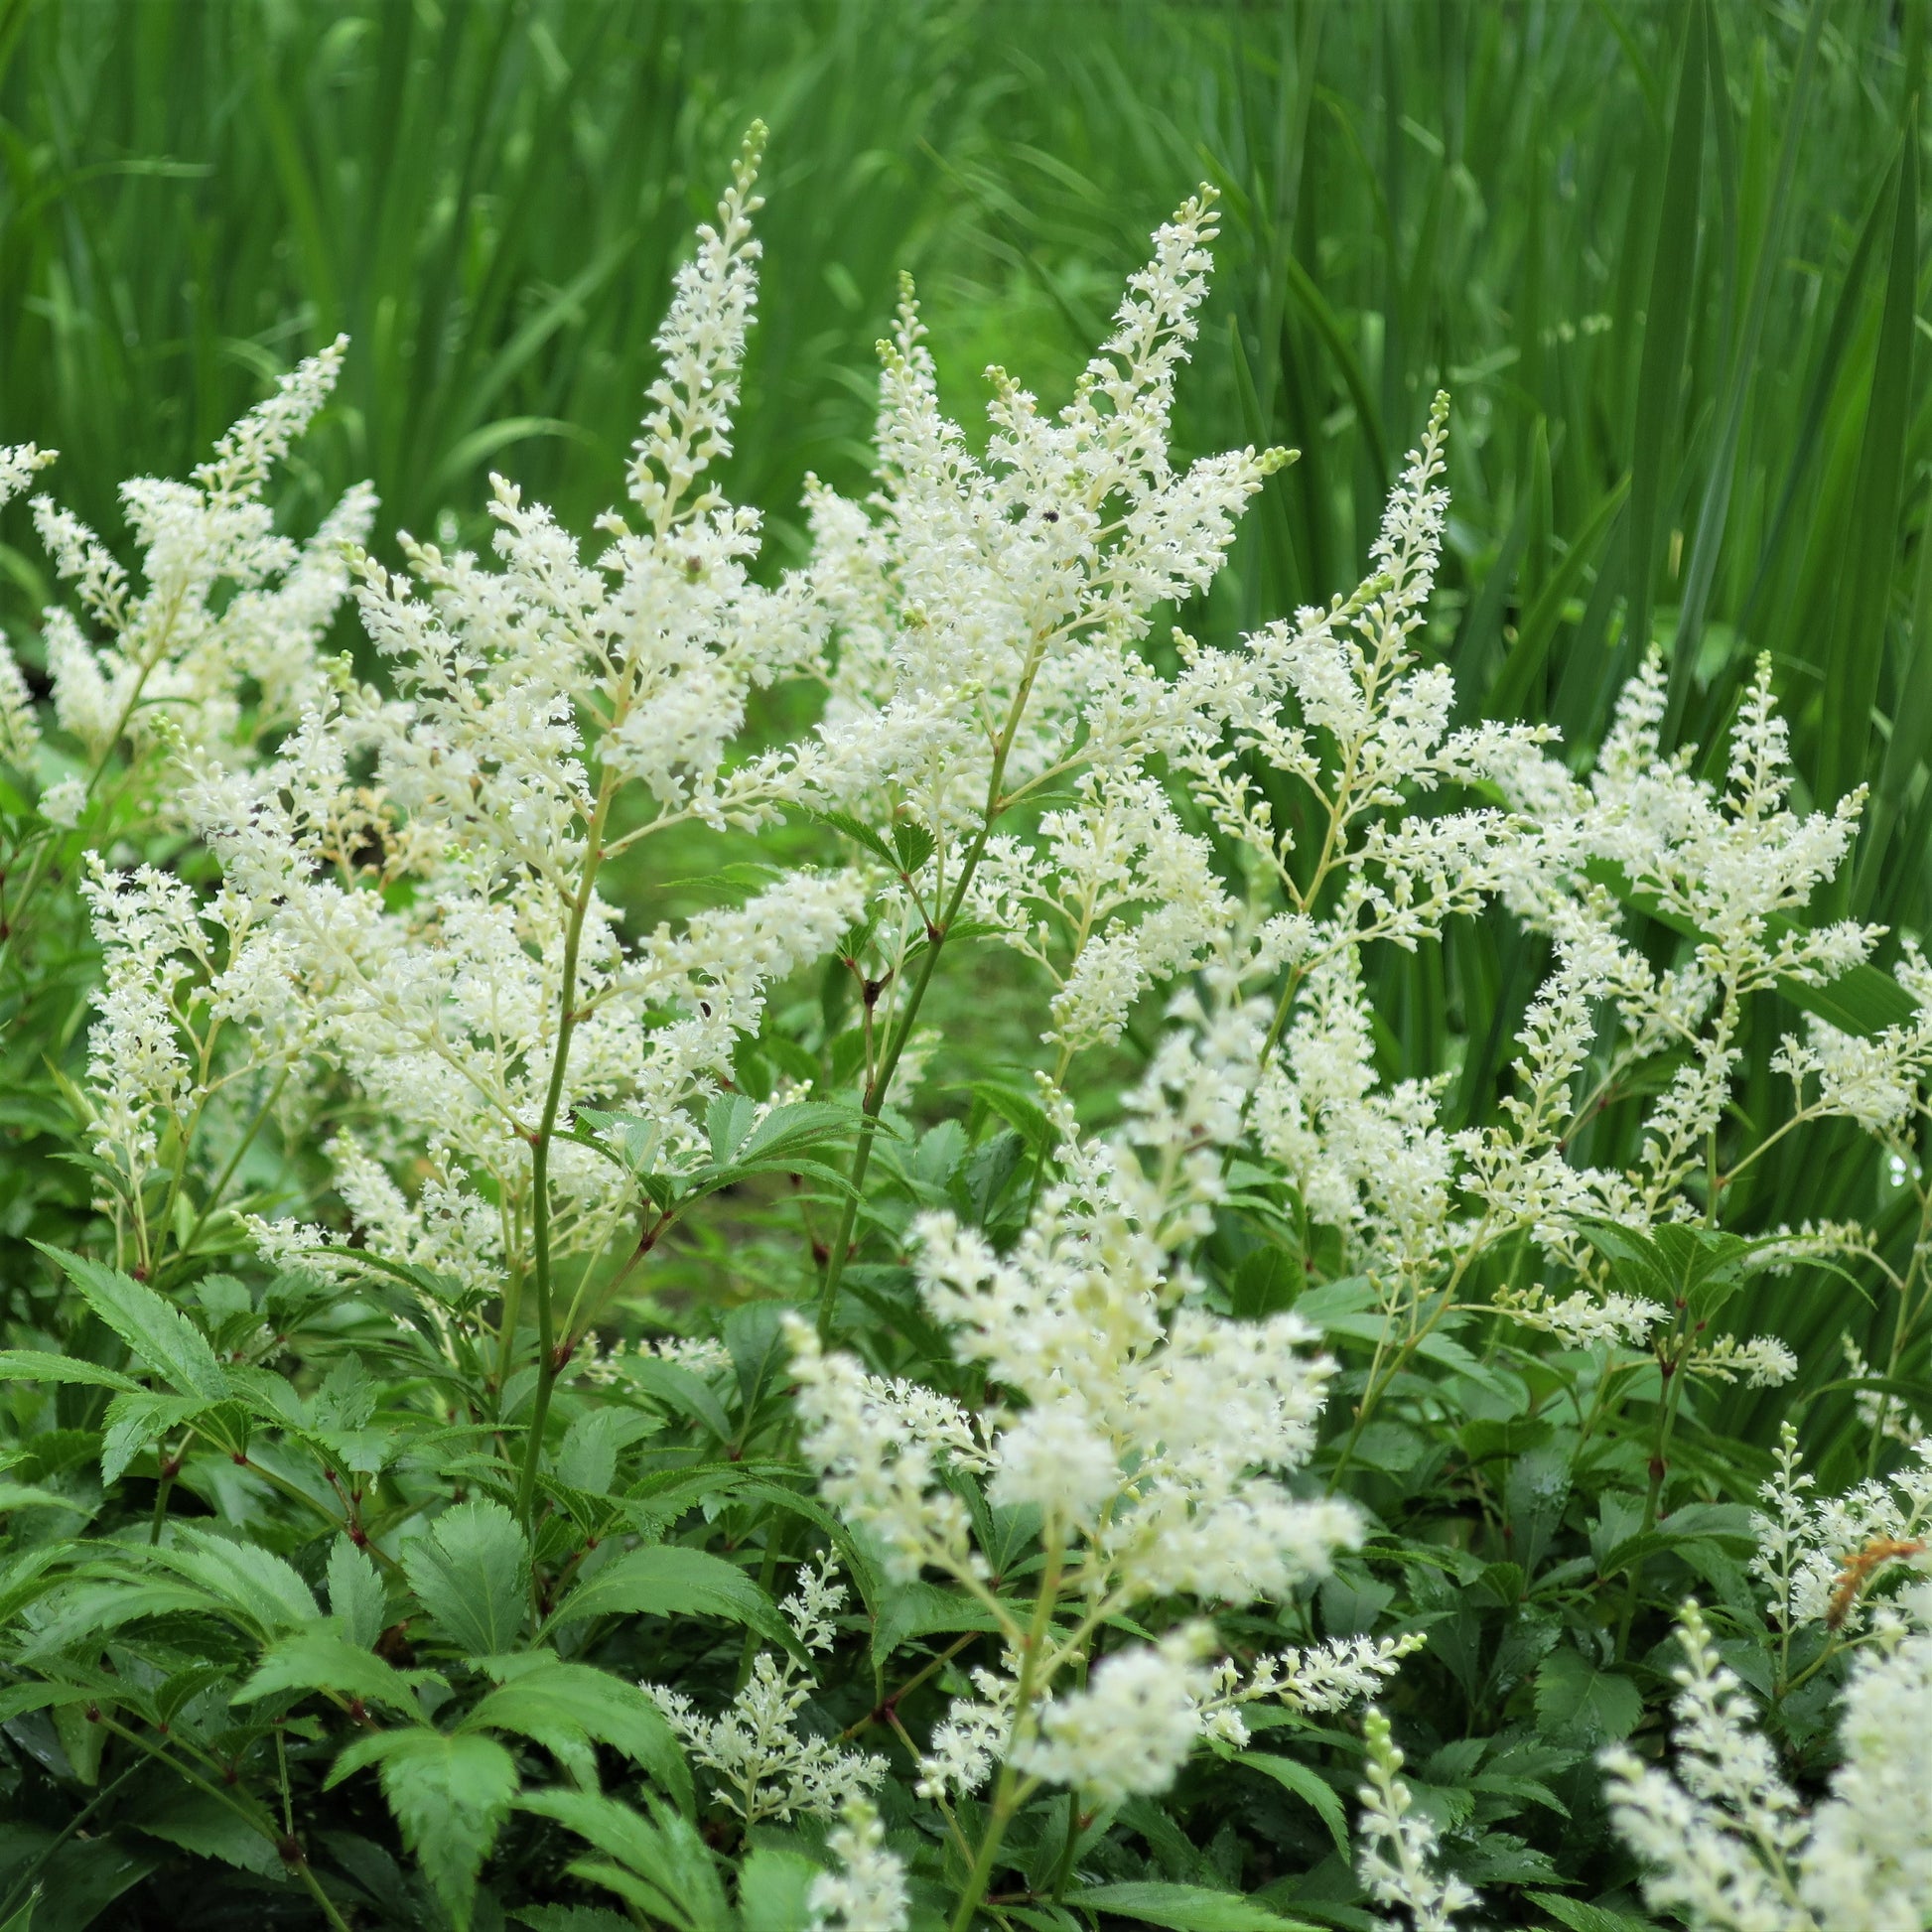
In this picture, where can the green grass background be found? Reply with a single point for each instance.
(1668, 258)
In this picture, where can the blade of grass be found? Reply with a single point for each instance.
(1858, 643)
(1715, 508)
(1666, 331)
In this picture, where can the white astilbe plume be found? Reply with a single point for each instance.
(424, 865)
(985, 614)
(1818, 1557)
(216, 647)
(195, 1007)
(1396, 1861)
(1129, 1730)
(1152, 1431)
(1151, 1436)
(20, 728)
(1309, 1682)
(1729, 1847)
(762, 1764)
(867, 1894)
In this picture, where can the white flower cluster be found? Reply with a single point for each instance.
(1819, 1556)
(219, 650)
(1396, 1861)
(868, 1892)
(762, 1764)
(419, 871)
(1321, 1678)
(1149, 1434)
(1729, 1845)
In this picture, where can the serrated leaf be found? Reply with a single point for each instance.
(324, 1660)
(677, 1388)
(346, 1402)
(667, 1580)
(197, 1822)
(356, 1598)
(658, 1861)
(1306, 1784)
(588, 1457)
(1581, 1704)
(256, 1585)
(449, 1794)
(1183, 1908)
(772, 1888)
(860, 833)
(728, 1121)
(31, 1365)
(28, 1495)
(162, 1338)
(922, 1610)
(1578, 1917)
(559, 1704)
(913, 845)
(473, 1574)
(135, 1421)
(88, 1613)
(571, 1918)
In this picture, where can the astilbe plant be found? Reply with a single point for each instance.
(1100, 1438)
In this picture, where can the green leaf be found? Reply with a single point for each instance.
(572, 1918)
(771, 1890)
(860, 833)
(356, 1598)
(1579, 1704)
(28, 1495)
(1308, 1785)
(450, 1796)
(137, 1419)
(201, 1822)
(1183, 1908)
(726, 1124)
(1580, 1917)
(321, 1660)
(1858, 643)
(85, 1614)
(560, 1705)
(658, 1861)
(912, 846)
(162, 1338)
(677, 1388)
(667, 1580)
(920, 1609)
(472, 1575)
(588, 1458)
(30, 1366)
(254, 1584)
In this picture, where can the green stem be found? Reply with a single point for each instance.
(243, 1810)
(24, 1884)
(227, 1174)
(1010, 1791)
(880, 1082)
(1063, 1868)
(540, 1141)
(1671, 1368)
